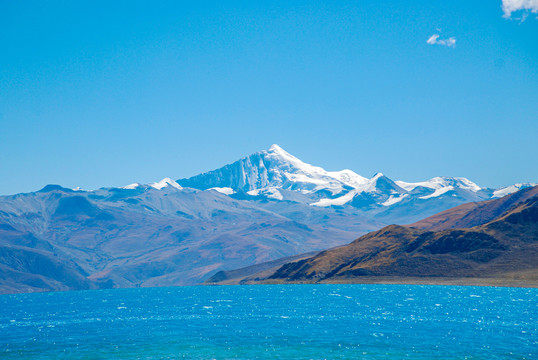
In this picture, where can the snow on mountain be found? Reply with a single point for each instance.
(270, 192)
(379, 183)
(348, 177)
(164, 183)
(342, 200)
(393, 200)
(437, 192)
(298, 175)
(131, 186)
(438, 183)
(223, 190)
(277, 175)
(511, 189)
(379, 187)
(275, 168)
(298, 171)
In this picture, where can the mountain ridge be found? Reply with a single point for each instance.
(274, 174)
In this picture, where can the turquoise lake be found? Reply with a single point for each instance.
(280, 321)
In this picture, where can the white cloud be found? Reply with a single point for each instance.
(434, 40)
(510, 6)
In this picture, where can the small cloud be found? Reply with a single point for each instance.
(510, 6)
(434, 40)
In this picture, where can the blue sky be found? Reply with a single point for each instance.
(96, 94)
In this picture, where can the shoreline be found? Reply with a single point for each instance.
(394, 280)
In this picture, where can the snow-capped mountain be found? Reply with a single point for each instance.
(275, 174)
(275, 169)
(166, 182)
(500, 192)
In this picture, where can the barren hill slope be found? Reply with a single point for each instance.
(501, 251)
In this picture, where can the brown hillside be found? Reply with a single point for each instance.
(505, 248)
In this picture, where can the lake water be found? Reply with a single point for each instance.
(280, 321)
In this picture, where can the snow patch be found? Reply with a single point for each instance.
(468, 184)
(393, 200)
(271, 193)
(511, 189)
(437, 192)
(437, 183)
(336, 202)
(348, 177)
(131, 186)
(223, 190)
(165, 183)
(288, 167)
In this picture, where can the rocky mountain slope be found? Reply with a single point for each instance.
(503, 250)
(59, 239)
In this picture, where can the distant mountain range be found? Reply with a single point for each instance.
(494, 243)
(276, 175)
(261, 208)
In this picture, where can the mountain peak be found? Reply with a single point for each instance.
(131, 186)
(164, 183)
(275, 171)
(156, 185)
(275, 148)
(282, 154)
(53, 187)
(377, 176)
(442, 182)
(290, 164)
(274, 168)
